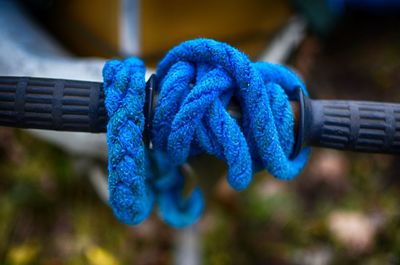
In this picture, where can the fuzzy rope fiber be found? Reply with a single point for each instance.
(197, 80)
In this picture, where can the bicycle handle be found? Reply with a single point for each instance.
(70, 105)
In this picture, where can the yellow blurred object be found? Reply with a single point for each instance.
(247, 24)
(149, 28)
(87, 27)
(99, 256)
(23, 254)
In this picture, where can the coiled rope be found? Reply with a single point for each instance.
(197, 80)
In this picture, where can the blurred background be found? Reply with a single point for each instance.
(343, 208)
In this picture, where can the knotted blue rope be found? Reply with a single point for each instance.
(197, 81)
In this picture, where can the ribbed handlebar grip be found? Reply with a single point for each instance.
(362, 126)
(52, 104)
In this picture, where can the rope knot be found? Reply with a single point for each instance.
(197, 81)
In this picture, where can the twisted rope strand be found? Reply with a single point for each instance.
(130, 196)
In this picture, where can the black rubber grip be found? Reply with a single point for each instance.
(52, 104)
(362, 126)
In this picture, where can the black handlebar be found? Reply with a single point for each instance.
(52, 104)
(68, 105)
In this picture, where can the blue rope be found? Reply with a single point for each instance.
(197, 81)
(133, 188)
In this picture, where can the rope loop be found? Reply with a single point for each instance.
(130, 194)
(134, 183)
